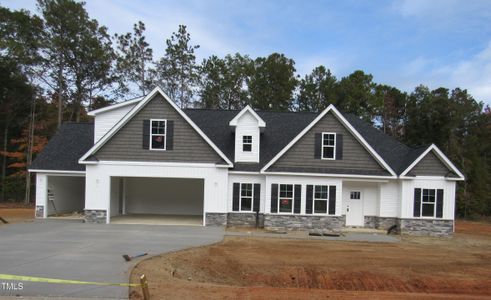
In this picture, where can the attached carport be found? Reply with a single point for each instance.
(65, 195)
(151, 200)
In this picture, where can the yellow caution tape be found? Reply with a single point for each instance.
(62, 281)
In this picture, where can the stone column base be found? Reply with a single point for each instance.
(95, 216)
(39, 211)
(383, 223)
(216, 219)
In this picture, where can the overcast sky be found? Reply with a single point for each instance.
(403, 43)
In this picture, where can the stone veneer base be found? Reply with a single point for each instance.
(426, 227)
(39, 211)
(299, 222)
(382, 223)
(245, 220)
(216, 219)
(95, 216)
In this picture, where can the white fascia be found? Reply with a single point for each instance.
(350, 128)
(235, 120)
(441, 156)
(135, 110)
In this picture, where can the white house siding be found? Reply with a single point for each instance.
(104, 121)
(304, 181)
(41, 194)
(247, 125)
(407, 195)
(99, 175)
(389, 199)
(69, 193)
(240, 178)
(369, 195)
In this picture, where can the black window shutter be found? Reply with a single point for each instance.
(274, 198)
(339, 146)
(146, 134)
(170, 136)
(439, 203)
(297, 198)
(310, 196)
(318, 145)
(257, 196)
(236, 196)
(332, 200)
(417, 203)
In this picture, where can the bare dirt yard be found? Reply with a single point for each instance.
(274, 268)
(16, 212)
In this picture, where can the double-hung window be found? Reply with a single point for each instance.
(321, 199)
(428, 198)
(285, 203)
(328, 145)
(158, 132)
(247, 143)
(246, 196)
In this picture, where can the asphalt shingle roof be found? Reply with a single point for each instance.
(65, 148)
(73, 140)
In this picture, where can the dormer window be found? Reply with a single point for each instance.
(158, 132)
(247, 143)
(328, 145)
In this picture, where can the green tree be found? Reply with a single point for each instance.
(134, 57)
(272, 82)
(317, 90)
(356, 94)
(77, 54)
(177, 72)
(391, 105)
(223, 82)
(16, 94)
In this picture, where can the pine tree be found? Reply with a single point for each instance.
(176, 72)
(133, 59)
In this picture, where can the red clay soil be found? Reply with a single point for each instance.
(15, 213)
(273, 268)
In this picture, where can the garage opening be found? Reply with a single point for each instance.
(157, 201)
(66, 196)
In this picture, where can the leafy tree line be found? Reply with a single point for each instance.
(59, 63)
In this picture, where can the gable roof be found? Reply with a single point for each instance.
(439, 154)
(134, 111)
(76, 139)
(348, 126)
(246, 109)
(64, 149)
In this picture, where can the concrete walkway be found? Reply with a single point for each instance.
(87, 252)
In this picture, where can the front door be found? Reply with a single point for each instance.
(354, 209)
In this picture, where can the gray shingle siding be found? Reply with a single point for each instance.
(126, 144)
(300, 156)
(430, 165)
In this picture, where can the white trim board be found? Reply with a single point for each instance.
(260, 121)
(329, 175)
(95, 112)
(71, 173)
(443, 158)
(350, 128)
(135, 110)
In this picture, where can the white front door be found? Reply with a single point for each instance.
(354, 209)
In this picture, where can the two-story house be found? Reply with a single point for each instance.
(241, 168)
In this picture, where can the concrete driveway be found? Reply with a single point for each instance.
(88, 252)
